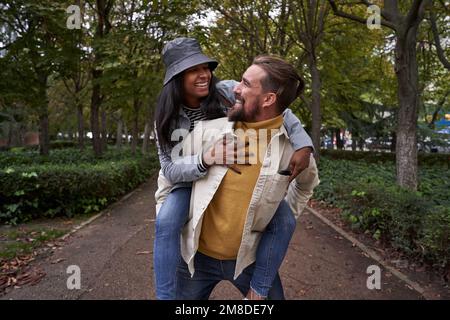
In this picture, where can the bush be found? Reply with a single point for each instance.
(425, 159)
(416, 223)
(62, 144)
(388, 212)
(61, 156)
(436, 240)
(47, 190)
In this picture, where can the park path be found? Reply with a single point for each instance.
(114, 254)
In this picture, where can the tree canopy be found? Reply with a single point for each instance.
(104, 78)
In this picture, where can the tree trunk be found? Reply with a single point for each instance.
(95, 106)
(146, 138)
(407, 79)
(125, 131)
(80, 121)
(339, 141)
(104, 138)
(361, 144)
(353, 143)
(102, 29)
(43, 132)
(44, 140)
(281, 31)
(10, 135)
(119, 133)
(135, 133)
(14, 136)
(393, 142)
(315, 103)
(148, 128)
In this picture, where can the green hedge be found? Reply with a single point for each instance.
(430, 159)
(416, 223)
(62, 144)
(54, 145)
(60, 156)
(47, 190)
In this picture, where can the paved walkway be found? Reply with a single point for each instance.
(114, 254)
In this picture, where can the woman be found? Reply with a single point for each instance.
(192, 93)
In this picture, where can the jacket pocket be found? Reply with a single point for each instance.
(278, 185)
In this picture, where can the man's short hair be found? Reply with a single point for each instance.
(281, 79)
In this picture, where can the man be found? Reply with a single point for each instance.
(230, 211)
(190, 93)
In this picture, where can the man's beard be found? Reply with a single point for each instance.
(239, 114)
(236, 113)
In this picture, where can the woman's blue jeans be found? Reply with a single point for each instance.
(170, 220)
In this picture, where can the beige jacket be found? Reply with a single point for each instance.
(270, 189)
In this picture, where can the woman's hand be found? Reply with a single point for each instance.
(227, 152)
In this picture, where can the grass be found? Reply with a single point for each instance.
(22, 241)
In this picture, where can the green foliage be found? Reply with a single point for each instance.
(61, 144)
(425, 159)
(24, 242)
(61, 156)
(63, 184)
(416, 223)
(34, 30)
(436, 240)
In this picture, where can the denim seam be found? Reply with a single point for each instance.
(270, 255)
(266, 273)
(222, 269)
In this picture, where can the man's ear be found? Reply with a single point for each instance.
(270, 99)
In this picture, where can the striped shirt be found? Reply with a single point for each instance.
(195, 115)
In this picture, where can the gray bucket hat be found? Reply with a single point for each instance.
(181, 54)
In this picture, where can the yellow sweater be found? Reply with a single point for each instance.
(224, 218)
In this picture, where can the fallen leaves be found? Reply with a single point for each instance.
(32, 277)
(15, 264)
(13, 273)
(16, 273)
(58, 260)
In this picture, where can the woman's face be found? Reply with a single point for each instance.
(196, 84)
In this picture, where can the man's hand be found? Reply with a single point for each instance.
(299, 162)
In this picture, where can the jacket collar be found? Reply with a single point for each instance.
(230, 126)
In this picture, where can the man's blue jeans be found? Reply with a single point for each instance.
(209, 272)
(172, 217)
